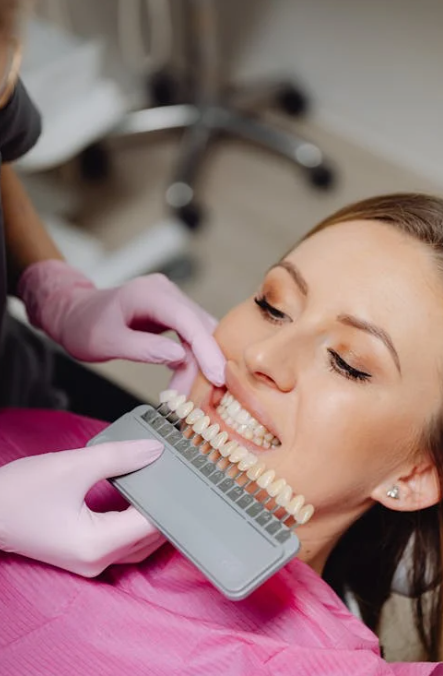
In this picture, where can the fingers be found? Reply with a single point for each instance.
(185, 374)
(118, 533)
(160, 300)
(142, 550)
(148, 347)
(90, 465)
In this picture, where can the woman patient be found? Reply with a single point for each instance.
(338, 361)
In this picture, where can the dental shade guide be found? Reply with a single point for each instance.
(224, 529)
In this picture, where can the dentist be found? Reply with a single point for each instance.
(43, 514)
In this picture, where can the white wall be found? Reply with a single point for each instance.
(374, 68)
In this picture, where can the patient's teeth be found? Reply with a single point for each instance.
(266, 444)
(243, 417)
(295, 505)
(305, 514)
(211, 432)
(227, 449)
(195, 415)
(166, 395)
(238, 454)
(268, 436)
(176, 402)
(201, 424)
(233, 409)
(275, 488)
(259, 431)
(247, 462)
(220, 439)
(256, 471)
(248, 433)
(284, 497)
(266, 479)
(258, 442)
(184, 409)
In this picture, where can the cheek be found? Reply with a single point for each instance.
(343, 445)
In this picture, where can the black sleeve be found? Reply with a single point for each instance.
(20, 125)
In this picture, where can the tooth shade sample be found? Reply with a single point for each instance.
(184, 409)
(195, 415)
(219, 440)
(256, 471)
(266, 479)
(176, 402)
(304, 514)
(201, 424)
(238, 454)
(295, 505)
(275, 488)
(284, 497)
(210, 432)
(227, 449)
(166, 395)
(247, 462)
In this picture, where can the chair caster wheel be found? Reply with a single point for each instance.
(191, 215)
(163, 89)
(292, 101)
(321, 177)
(94, 163)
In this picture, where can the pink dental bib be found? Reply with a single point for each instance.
(162, 616)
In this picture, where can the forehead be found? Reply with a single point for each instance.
(374, 253)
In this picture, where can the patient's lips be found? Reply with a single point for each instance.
(233, 453)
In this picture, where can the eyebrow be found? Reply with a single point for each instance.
(348, 320)
(295, 274)
(373, 330)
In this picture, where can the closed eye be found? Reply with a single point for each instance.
(270, 312)
(340, 366)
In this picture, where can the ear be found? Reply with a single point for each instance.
(417, 489)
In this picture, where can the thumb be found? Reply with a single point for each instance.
(108, 460)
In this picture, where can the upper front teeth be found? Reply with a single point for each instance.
(235, 416)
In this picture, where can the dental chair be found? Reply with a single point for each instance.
(212, 111)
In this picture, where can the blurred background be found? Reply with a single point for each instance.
(252, 121)
(202, 138)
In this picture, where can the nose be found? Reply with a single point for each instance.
(272, 361)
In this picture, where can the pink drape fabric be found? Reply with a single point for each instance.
(162, 616)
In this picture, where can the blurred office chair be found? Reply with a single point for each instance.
(214, 111)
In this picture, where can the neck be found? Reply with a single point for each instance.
(319, 538)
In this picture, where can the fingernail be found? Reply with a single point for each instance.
(217, 376)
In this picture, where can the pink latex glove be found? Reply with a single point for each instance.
(121, 323)
(43, 514)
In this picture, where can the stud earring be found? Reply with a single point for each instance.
(393, 492)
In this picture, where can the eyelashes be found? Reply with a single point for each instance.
(270, 312)
(336, 362)
(340, 366)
